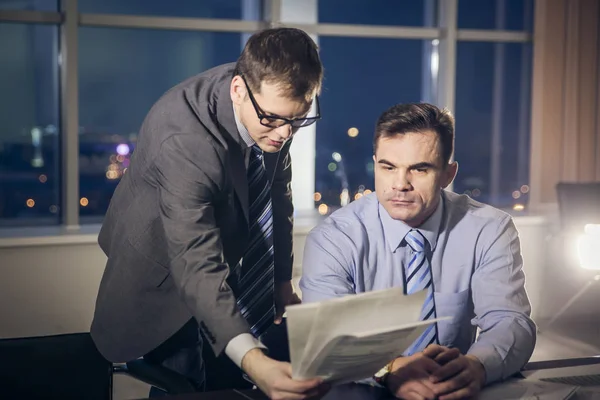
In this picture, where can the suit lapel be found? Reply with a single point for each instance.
(236, 156)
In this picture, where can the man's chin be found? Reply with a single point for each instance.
(403, 215)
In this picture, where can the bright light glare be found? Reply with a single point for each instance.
(587, 247)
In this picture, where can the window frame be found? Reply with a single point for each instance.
(444, 37)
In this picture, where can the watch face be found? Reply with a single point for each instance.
(382, 372)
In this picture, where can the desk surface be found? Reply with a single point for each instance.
(365, 392)
(343, 392)
(221, 395)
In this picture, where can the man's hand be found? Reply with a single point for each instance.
(441, 354)
(274, 378)
(410, 377)
(284, 296)
(462, 377)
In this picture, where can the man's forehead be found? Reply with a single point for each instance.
(410, 148)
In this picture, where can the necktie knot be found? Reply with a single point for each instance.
(416, 240)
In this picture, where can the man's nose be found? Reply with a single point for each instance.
(284, 131)
(401, 182)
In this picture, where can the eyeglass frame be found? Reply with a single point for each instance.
(263, 116)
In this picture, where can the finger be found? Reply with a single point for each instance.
(295, 386)
(422, 390)
(427, 364)
(433, 350)
(446, 356)
(457, 382)
(300, 387)
(279, 315)
(411, 396)
(452, 368)
(414, 387)
(464, 393)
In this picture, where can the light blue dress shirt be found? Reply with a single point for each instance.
(476, 263)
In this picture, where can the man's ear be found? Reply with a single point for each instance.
(449, 174)
(237, 90)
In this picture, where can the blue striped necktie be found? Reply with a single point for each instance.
(256, 275)
(418, 277)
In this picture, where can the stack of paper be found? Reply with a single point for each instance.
(350, 338)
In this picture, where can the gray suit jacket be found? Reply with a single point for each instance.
(178, 223)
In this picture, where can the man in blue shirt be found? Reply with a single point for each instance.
(413, 233)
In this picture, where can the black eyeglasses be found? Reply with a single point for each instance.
(275, 121)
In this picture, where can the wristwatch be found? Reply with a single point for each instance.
(381, 376)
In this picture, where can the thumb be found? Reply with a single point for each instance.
(286, 367)
(279, 315)
(433, 350)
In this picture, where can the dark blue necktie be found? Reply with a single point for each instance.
(255, 286)
(418, 277)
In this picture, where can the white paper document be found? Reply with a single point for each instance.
(350, 338)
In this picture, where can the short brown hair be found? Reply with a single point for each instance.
(417, 118)
(283, 56)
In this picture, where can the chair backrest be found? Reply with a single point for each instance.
(579, 204)
(54, 367)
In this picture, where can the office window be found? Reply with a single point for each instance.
(378, 12)
(363, 77)
(29, 5)
(227, 9)
(29, 125)
(122, 73)
(510, 15)
(492, 122)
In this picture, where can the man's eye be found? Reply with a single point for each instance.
(421, 170)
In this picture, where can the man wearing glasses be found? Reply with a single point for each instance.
(199, 231)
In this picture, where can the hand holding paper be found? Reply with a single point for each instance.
(350, 338)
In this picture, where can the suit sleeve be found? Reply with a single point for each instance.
(283, 215)
(189, 174)
(507, 337)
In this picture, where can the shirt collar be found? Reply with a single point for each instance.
(243, 131)
(395, 230)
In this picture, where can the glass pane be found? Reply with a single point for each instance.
(357, 88)
(511, 15)
(31, 5)
(120, 78)
(29, 178)
(228, 9)
(492, 122)
(378, 12)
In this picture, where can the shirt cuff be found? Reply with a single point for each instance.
(491, 360)
(237, 347)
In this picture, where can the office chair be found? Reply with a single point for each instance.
(70, 367)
